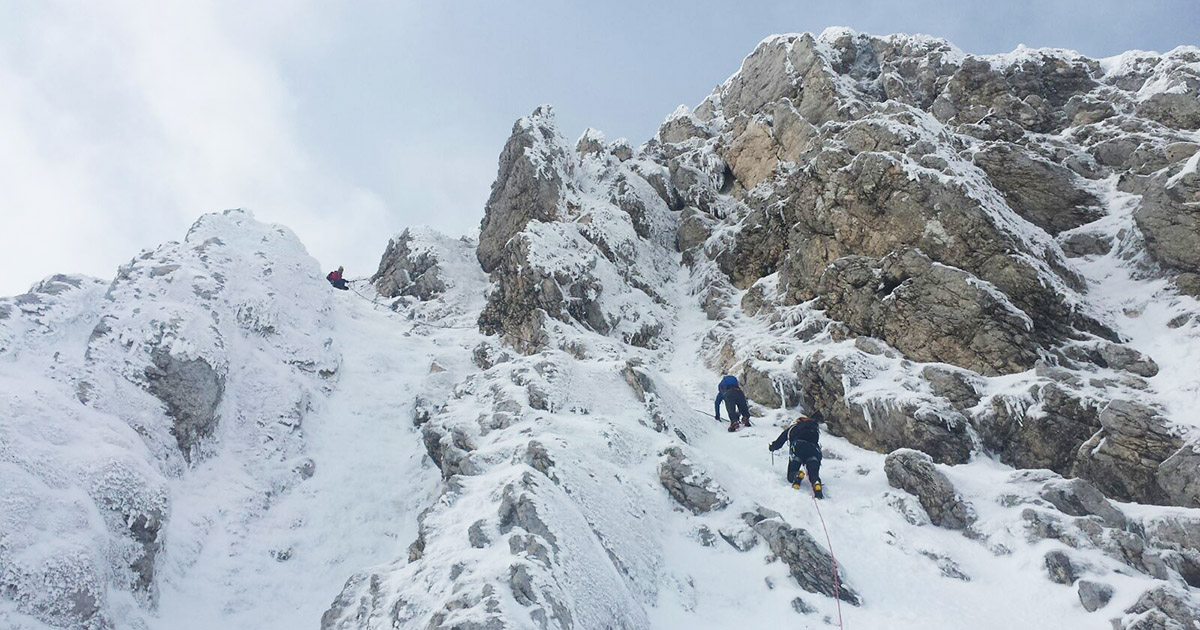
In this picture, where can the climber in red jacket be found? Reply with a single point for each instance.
(335, 278)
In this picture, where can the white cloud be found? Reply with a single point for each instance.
(122, 122)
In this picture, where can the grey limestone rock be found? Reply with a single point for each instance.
(690, 486)
(1086, 244)
(477, 535)
(1162, 608)
(519, 509)
(1122, 357)
(770, 388)
(960, 387)
(1049, 438)
(1094, 595)
(1042, 192)
(1079, 497)
(881, 425)
(527, 187)
(913, 472)
(191, 390)
(809, 564)
(1123, 458)
(694, 229)
(405, 272)
(929, 311)
(1059, 567)
(1179, 476)
(1169, 218)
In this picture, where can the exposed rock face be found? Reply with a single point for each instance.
(191, 389)
(689, 486)
(1123, 458)
(527, 188)
(600, 264)
(808, 563)
(880, 424)
(930, 312)
(1179, 476)
(913, 472)
(1049, 439)
(1094, 595)
(1169, 217)
(408, 268)
(1179, 537)
(1042, 192)
(1162, 608)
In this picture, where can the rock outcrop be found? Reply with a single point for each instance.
(409, 267)
(913, 472)
(809, 564)
(528, 187)
(1123, 458)
(689, 486)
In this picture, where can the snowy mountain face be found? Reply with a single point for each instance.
(982, 272)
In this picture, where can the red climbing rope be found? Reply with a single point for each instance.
(832, 559)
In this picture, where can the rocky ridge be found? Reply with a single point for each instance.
(883, 230)
(969, 264)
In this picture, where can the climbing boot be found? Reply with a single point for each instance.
(796, 486)
(733, 426)
(799, 475)
(745, 422)
(817, 490)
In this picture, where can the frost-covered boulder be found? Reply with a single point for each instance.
(1094, 595)
(690, 486)
(1078, 497)
(1161, 608)
(809, 564)
(914, 472)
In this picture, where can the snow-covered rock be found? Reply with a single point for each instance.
(963, 264)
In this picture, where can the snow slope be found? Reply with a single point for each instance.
(217, 438)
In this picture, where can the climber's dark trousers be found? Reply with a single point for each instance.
(735, 403)
(813, 466)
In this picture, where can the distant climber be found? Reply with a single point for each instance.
(335, 278)
(735, 403)
(803, 438)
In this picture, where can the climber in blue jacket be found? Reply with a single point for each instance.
(735, 403)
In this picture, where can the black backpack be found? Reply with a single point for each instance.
(806, 431)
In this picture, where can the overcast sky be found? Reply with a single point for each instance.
(121, 122)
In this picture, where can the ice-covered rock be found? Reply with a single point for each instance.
(689, 486)
(914, 472)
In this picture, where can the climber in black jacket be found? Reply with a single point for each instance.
(804, 438)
